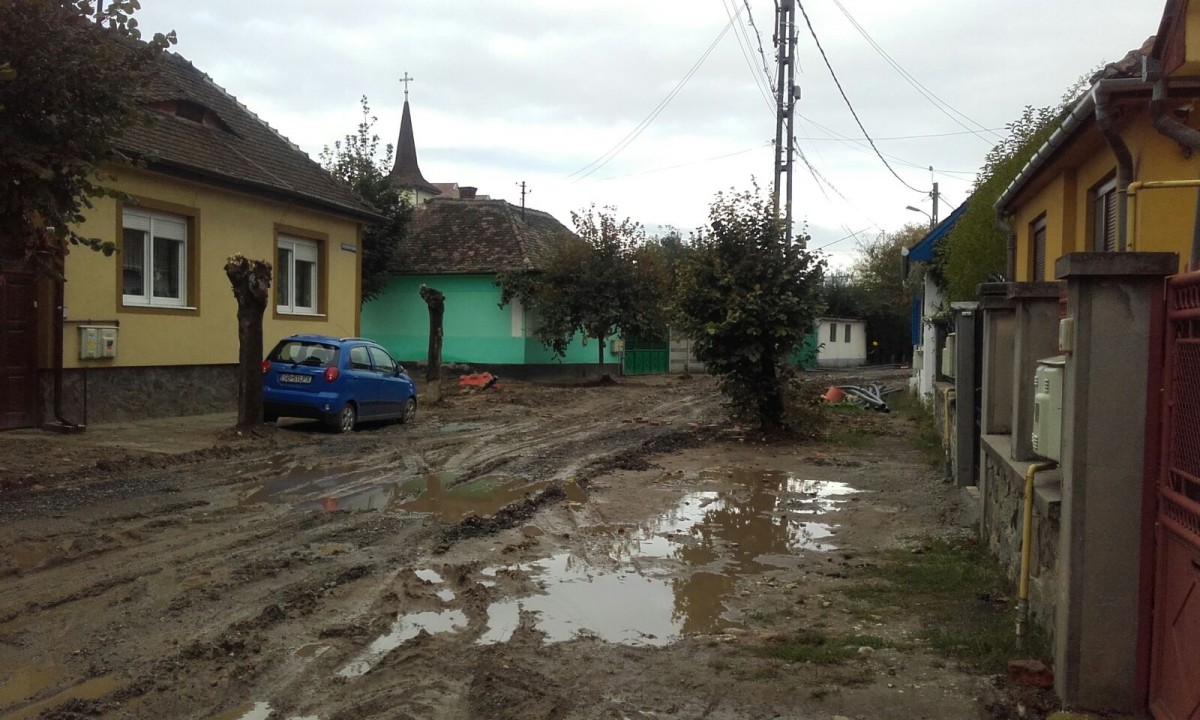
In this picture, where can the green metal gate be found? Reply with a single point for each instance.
(646, 357)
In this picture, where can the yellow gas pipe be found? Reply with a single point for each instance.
(1026, 548)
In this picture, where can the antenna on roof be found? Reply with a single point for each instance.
(406, 80)
(524, 191)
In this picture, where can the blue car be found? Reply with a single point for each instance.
(337, 380)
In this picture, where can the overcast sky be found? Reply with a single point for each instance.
(537, 90)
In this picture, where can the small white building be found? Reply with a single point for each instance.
(841, 342)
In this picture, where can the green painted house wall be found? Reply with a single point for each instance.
(475, 328)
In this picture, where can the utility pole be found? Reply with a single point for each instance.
(786, 94)
(524, 191)
(935, 196)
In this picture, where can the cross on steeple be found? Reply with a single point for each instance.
(406, 80)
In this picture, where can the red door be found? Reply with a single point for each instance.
(1175, 659)
(18, 350)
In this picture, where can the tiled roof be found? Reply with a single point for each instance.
(478, 236)
(1129, 66)
(247, 154)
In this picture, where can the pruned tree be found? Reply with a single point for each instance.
(606, 281)
(72, 74)
(359, 161)
(251, 281)
(435, 300)
(748, 298)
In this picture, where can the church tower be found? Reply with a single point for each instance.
(406, 174)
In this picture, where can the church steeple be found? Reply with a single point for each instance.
(406, 174)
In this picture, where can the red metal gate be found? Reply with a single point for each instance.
(1175, 658)
(18, 349)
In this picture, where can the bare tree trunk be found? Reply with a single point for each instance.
(436, 301)
(251, 281)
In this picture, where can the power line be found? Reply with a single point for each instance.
(686, 164)
(899, 137)
(925, 92)
(849, 105)
(835, 242)
(859, 143)
(748, 54)
(761, 52)
(632, 135)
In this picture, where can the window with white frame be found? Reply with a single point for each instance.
(153, 258)
(296, 275)
(1105, 219)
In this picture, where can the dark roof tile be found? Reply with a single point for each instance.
(479, 236)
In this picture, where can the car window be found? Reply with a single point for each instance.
(304, 352)
(383, 362)
(359, 359)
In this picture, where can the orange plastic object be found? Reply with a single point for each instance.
(480, 380)
(834, 394)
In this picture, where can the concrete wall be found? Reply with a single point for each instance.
(94, 396)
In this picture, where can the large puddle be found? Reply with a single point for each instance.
(651, 583)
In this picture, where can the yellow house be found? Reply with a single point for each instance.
(152, 331)
(1097, 184)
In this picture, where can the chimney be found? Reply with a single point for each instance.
(466, 192)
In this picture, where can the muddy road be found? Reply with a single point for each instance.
(537, 552)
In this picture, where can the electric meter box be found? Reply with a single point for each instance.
(97, 341)
(918, 362)
(1047, 407)
(948, 355)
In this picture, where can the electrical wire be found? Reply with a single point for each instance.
(899, 137)
(917, 85)
(849, 105)
(761, 52)
(687, 164)
(632, 135)
(743, 40)
(835, 242)
(860, 144)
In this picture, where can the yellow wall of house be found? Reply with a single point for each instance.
(1164, 218)
(226, 223)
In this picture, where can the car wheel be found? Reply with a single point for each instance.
(346, 419)
(410, 410)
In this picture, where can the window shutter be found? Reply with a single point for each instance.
(1110, 221)
(1039, 253)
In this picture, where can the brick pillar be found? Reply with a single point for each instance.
(1035, 307)
(1112, 298)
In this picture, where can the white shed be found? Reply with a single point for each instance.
(841, 342)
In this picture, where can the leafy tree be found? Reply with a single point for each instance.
(71, 81)
(885, 300)
(747, 298)
(976, 247)
(358, 161)
(608, 280)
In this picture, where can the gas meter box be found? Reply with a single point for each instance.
(97, 341)
(949, 356)
(1047, 407)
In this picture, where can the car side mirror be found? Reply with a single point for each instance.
(400, 370)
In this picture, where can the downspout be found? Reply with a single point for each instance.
(1185, 136)
(59, 299)
(1107, 126)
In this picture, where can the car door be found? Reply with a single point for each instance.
(362, 385)
(393, 390)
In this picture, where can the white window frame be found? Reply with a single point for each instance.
(160, 224)
(298, 245)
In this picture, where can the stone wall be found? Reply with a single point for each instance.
(95, 396)
(1002, 492)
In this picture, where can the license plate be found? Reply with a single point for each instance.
(287, 378)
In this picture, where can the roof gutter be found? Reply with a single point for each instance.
(1107, 125)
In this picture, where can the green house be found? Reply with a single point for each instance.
(457, 243)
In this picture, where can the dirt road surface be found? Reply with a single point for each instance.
(534, 552)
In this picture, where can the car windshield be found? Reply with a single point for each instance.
(305, 352)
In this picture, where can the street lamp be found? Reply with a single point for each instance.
(916, 209)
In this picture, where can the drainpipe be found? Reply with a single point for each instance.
(1027, 549)
(59, 300)
(1185, 136)
(1107, 126)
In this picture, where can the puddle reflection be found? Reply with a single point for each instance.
(405, 628)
